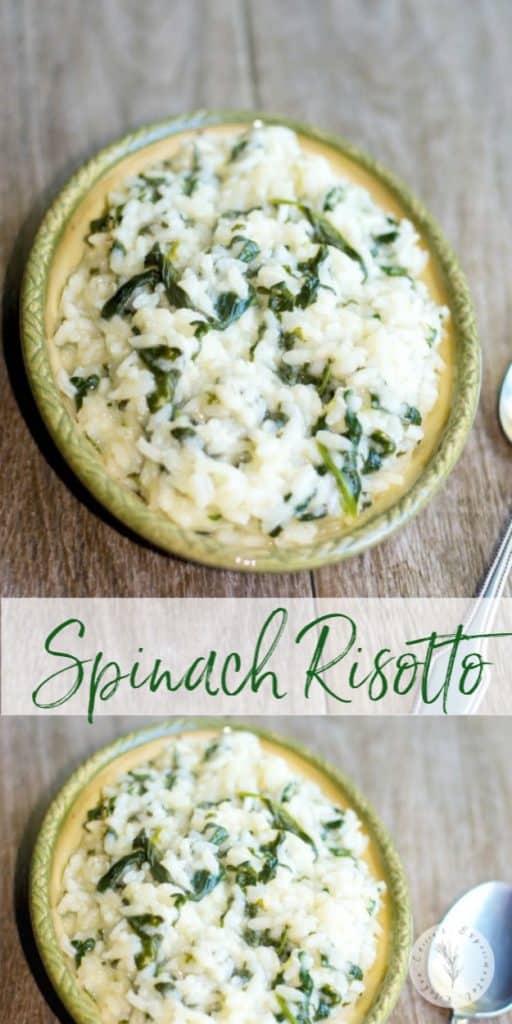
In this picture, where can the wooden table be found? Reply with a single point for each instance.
(442, 788)
(426, 87)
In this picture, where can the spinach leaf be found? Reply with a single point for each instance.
(281, 818)
(81, 947)
(150, 942)
(103, 223)
(182, 433)
(244, 975)
(191, 179)
(203, 883)
(120, 302)
(306, 981)
(162, 264)
(311, 283)
(108, 220)
(355, 972)
(394, 271)
(281, 299)
(382, 442)
(271, 862)
(249, 249)
(164, 987)
(165, 379)
(212, 749)
(387, 238)
(324, 232)
(246, 875)
(155, 355)
(343, 482)
(333, 197)
(340, 851)
(289, 790)
(238, 149)
(230, 307)
(254, 937)
(158, 871)
(325, 385)
(412, 415)
(215, 834)
(114, 876)
(141, 921)
(285, 1010)
(328, 999)
(353, 427)
(335, 823)
(82, 385)
(102, 810)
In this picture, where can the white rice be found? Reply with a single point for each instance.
(245, 899)
(308, 404)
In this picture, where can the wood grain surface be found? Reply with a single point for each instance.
(425, 87)
(441, 787)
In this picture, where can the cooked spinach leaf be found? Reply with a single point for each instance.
(333, 197)
(286, 1013)
(328, 999)
(158, 871)
(382, 442)
(102, 810)
(255, 937)
(353, 428)
(81, 947)
(203, 883)
(249, 249)
(281, 299)
(355, 972)
(412, 415)
(345, 484)
(387, 238)
(281, 818)
(113, 878)
(82, 385)
(120, 302)
(165, 378)
(162, 264)
(164, 987)
(311, 283)
(150, 941)
(215, 834)
(230, 307)
(324, 232)
(192, 177)
(289, 790)
(238, 149)
(394, 271)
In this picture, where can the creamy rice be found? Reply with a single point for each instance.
(247, 340)
(214, 883)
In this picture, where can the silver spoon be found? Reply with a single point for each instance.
(486, 909)
(484, 608)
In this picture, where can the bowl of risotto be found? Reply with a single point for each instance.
(250, 343)
(194, 873)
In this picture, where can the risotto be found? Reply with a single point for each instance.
(247, 341)
(213, 883)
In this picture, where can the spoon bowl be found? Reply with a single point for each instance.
(505, 404)
(486, 909)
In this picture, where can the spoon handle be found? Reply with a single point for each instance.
(496, 578)
(478, 620)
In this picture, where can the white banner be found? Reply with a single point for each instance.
(257, 656)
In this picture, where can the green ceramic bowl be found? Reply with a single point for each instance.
(60, 835)
(57, 250)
